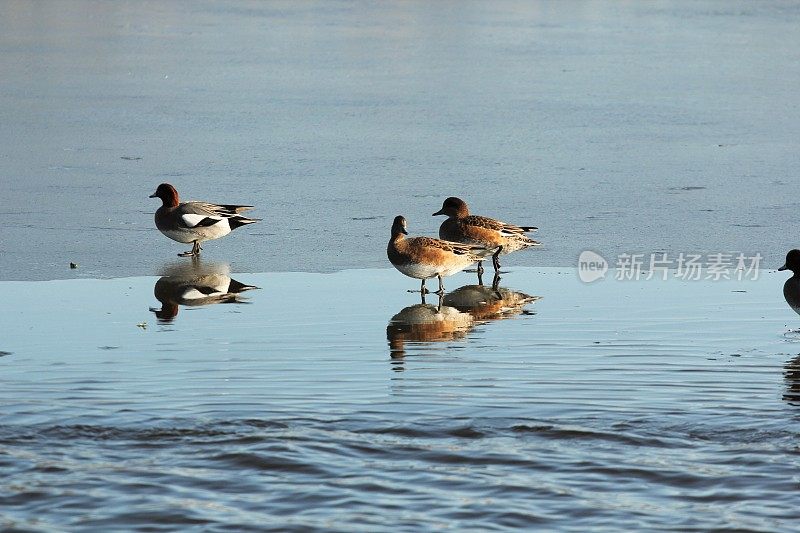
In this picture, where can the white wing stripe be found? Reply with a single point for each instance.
(191, 220)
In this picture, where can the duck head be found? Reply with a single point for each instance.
(167, 193)
(792, 262)
(399, 226)
(453, 207)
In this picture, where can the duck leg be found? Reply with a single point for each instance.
(496, 259)
(440, 292)
(496, 284)
(422, 290)
(194, 252)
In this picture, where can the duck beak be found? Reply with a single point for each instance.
(439, 212)
(403, 230)
(152, 195)
(782, 268)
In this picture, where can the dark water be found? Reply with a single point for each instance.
(613, 126)
(338, 401)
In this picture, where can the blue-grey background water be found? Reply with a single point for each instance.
(329, 397)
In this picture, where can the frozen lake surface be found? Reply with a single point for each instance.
(613, 126)
(337, 401)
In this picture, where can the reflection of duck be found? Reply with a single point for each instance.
(791, 289)
(791, 374)
(194, 285)
(488, 303)
(425, 323)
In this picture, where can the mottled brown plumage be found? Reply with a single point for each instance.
(424, 257)
(462, 227)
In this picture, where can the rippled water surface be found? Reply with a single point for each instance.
(339, 401)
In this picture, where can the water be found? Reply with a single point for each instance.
(335, 401)
(613, 126)
(319, 394)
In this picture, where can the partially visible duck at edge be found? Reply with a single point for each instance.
(791, 289)
(462, 227)
(424, 257)
(196, 222)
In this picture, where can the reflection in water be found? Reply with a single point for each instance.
(194, 284)
(488, 303)
(457, 312)
(791, 374)
(425, 323)
(791, 370)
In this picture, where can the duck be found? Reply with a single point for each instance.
(464, 228)
(196, 222)
(791, 289)
(425, 257)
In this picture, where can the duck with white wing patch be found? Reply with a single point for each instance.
(196, 222)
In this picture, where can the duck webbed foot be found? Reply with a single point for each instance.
(194, 252)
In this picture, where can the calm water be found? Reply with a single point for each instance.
(337, 401)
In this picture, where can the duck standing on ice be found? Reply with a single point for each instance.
(196, 222)
(424, 258)
(462, 227)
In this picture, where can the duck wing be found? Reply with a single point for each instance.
(452, 247)
(199, 214)
(507, 230)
